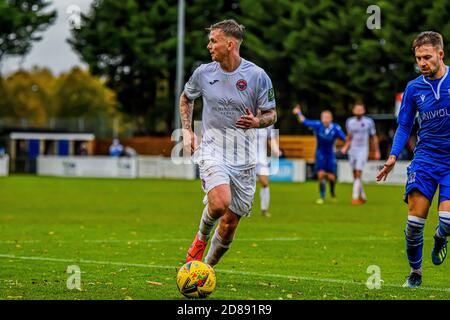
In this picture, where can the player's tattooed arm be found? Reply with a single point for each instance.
(186, 112)
(261, 120)
(267, 118)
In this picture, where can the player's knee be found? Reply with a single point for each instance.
(218, 207)
(264, 182)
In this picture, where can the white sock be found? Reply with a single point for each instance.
(363, 194)
(217, 249)
(356, 188)
(207, 223)
(419, 271)
(265, 198)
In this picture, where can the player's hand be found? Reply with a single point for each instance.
(377, 155)
(344, 150)
(388, 166)
(190, 141)
(248, 120)
(297, 109)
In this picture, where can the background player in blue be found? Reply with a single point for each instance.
(429, 95)
(326, 133)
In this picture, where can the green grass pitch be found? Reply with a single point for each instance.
(124, 233)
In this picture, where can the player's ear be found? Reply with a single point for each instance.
(230, 45)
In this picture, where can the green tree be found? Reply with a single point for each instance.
(337, 59)
(28, 95)
(21, 23)
(39, 96)
(131, 44)
(318, 53)
(79, 94)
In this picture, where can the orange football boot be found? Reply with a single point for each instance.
(356, 202)
(196, 250)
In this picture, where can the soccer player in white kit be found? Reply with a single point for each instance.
(359, 129)
(262, 164)
(233, 91)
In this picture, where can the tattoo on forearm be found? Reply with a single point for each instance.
(267, 118)
(186, 111)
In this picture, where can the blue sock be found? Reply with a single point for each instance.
(414, 241)
(322, 186)
(443, 228)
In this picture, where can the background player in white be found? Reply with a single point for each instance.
(233, 91)
(264, 136)
(359, 129)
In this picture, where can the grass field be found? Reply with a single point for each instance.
(123, 233)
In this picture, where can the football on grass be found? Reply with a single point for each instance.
(196, 279)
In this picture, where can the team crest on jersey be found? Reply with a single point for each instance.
(241, 85)
(412, 177)
(270, 95)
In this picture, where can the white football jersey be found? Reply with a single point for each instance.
(360, 129)
(226, 95)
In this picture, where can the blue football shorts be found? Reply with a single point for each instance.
(426, 178)
(326, 162)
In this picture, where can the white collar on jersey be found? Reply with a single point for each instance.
(437, 94)
(329, 128)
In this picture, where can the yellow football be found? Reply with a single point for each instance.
(196, 279)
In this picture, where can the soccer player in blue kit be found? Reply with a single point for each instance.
(326, 133)
(429, 95)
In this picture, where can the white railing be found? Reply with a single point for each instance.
(4, 165)
(113, 167)
(163, 167)
(396, 176)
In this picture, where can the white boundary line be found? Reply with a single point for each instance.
(280, 239)
(248, 273)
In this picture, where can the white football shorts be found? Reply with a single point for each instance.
(262, 169)
(242, 184)
(358, 160)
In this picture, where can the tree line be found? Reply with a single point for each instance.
(318, 53)
(38, 96)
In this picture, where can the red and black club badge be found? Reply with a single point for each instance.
(241, 85)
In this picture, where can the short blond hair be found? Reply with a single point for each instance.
(230, 28)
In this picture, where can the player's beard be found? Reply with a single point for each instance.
(432, 72)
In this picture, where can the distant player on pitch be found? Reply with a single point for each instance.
(429, 95)
(263, 136)
(234, 90)
(359, 129)
(326, 133)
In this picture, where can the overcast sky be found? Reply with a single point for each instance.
(52, 51)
